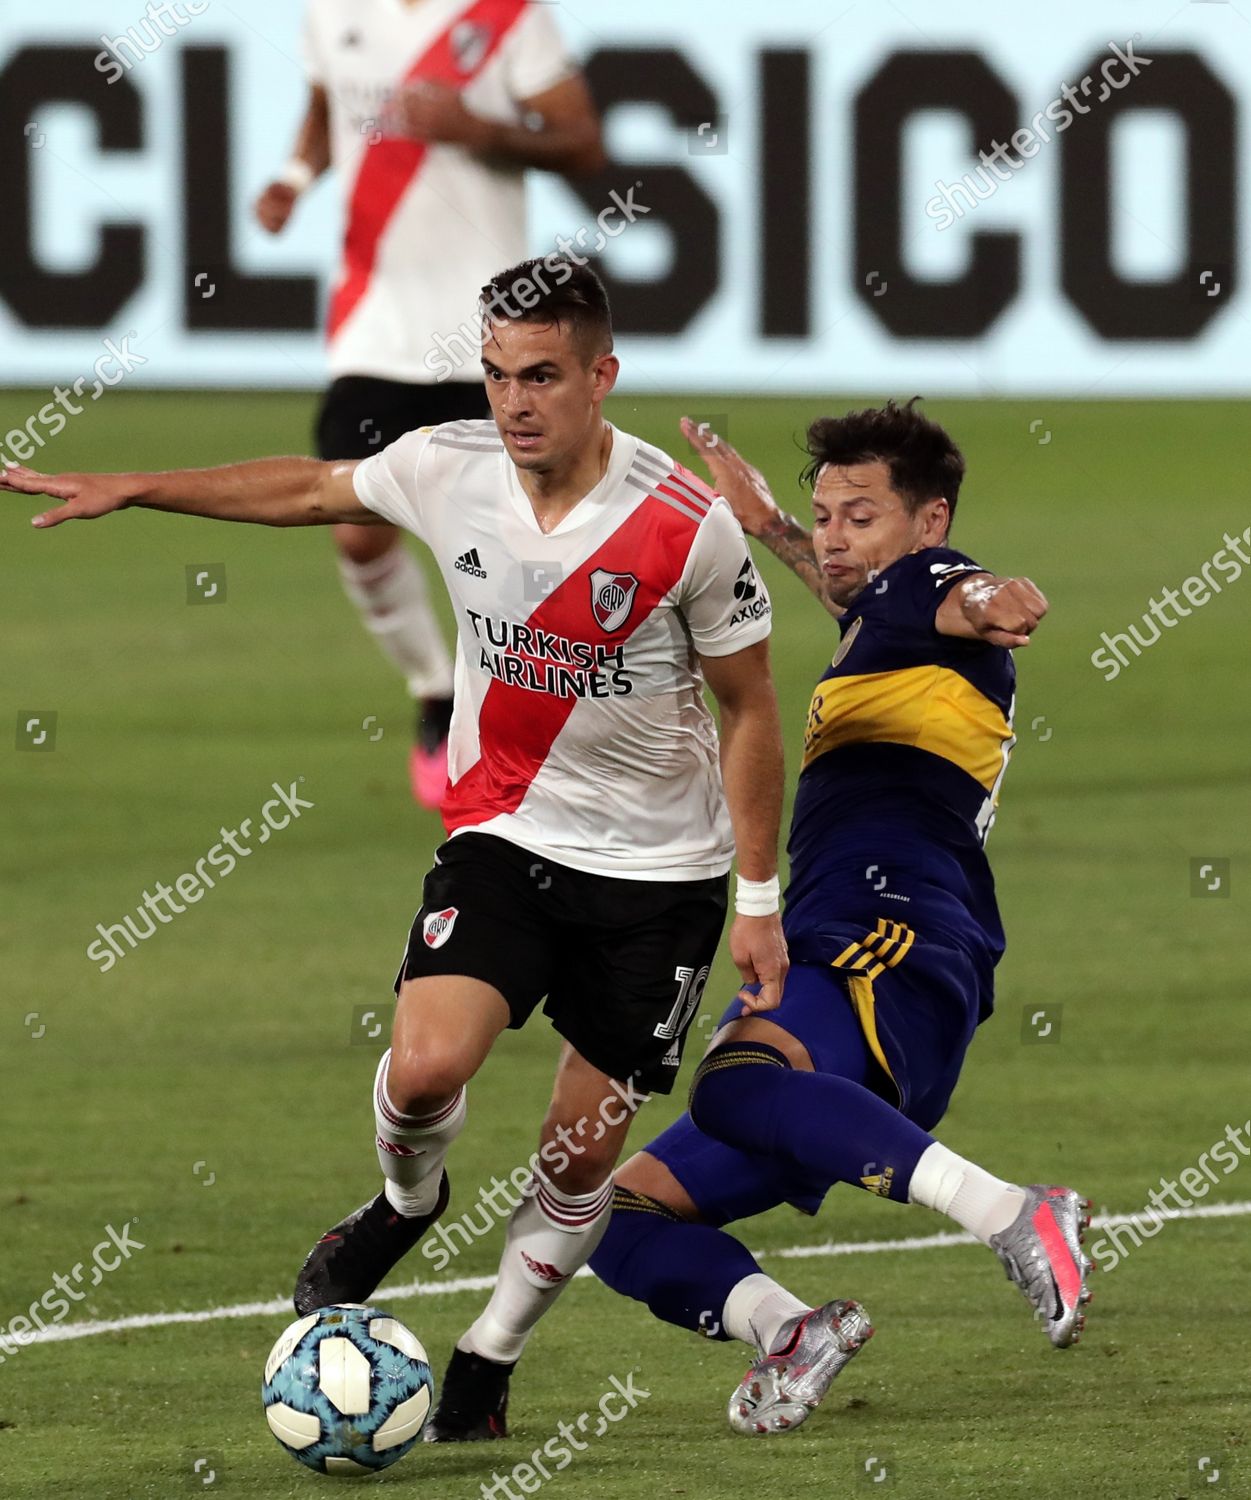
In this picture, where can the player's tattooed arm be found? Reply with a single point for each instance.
(789, 541)
(267, 492)
(747, 491)
(1000, 611)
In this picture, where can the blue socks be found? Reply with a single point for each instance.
(683, 1272)
(831, 1129)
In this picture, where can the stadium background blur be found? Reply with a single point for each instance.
(1084, 333)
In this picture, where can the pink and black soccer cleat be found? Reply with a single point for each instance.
(1041, 1250)
(427, 761)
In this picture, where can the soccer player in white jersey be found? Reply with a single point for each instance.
(429, 111)
(597, 586)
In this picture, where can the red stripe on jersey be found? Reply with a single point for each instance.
(701, 487)
(518, 726)
(702, 498)
(391, 165)
(681, 496)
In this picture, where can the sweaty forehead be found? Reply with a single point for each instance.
(839, 484)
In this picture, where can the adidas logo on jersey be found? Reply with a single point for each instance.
(469, 562)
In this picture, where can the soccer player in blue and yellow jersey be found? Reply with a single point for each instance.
(892, 925)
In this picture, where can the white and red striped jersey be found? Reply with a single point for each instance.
(580, 729)
(425, 226)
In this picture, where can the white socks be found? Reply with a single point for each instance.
(391, 594)
(412, 1148)
(756, 1309)
(551, 1235)
(978, 1202)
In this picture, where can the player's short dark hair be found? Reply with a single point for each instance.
(552, 289)
(923, 460)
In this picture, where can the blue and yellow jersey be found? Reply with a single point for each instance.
(908, 738)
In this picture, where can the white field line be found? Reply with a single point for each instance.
(61, 1332)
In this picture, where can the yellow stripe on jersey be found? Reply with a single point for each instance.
(860, 988)
(931, 708)
(878, 950)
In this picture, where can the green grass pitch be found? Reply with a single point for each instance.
(209, 1087)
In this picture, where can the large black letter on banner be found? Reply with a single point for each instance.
(1178, 308)
(38, 296)
(225, 297)
(785, 195)
(906, 83)
(676, 201)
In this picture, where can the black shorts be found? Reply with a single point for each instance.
(360, 416)
(622, 962)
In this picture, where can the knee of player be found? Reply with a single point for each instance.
(418, 1081)
(728, 1085)
(702, 1103)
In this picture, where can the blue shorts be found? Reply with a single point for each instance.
(887, 1010)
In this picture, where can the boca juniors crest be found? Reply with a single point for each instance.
(612, 594)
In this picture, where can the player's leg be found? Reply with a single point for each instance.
(359, 417)
(444, 1028)
(631, 960)
(477, 961)
(807, 1090)
(663, 1247)
(428, 406)
(550, 1237)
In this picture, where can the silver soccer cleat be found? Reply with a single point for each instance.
(783, 1386)
(1041, 1250)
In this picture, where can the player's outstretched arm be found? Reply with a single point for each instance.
(752, 771)
(1000, 611)
(747, 491)
(268, 492)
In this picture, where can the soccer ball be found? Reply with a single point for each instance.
(347, 1389)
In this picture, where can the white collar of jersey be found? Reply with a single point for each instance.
(624, 448)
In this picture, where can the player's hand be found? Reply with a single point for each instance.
(745, 487)
(434, 112)
(1003, 611)
(273, 207)
(86, 496)
(759, 949)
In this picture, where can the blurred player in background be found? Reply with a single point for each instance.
(430, 111)
(893, 929)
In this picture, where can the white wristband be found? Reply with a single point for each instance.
(757, 898)
(297, 175)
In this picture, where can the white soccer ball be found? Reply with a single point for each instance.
(347, 1389)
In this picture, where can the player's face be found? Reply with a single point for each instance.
(861, 526)
(545, 394)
